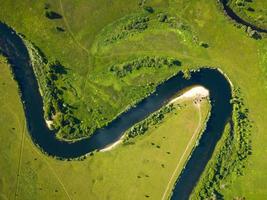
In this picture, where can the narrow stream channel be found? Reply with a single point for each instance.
(14, 49)
(229, 12)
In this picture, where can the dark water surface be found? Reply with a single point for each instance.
(229, 11)
(14, 49)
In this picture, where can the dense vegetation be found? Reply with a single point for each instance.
(143, 22)
(65, 106)
(154, 119)
(175, 29)
(133, 25)
(154, 62)
(230, 157)
(29, 174)
(253, 11)
(54, 84)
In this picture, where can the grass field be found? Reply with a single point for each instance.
(91, 88)
(81, 50)
(126, 172)
(254, 11)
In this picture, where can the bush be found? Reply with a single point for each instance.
(149, 9)
(52, 15)
(203, 44)
(253, 33)
(162, 17)
(231, 153)
(134, 25)
(155, 62)
(60, 29)
(155, 118)
(240, 2)
(186, 74)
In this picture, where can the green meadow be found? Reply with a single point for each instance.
(137, 169)
(113, 54)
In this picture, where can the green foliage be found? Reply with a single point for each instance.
(148, 9)
(133, 25)
(172, 21)
(154, 119)
(54, 86)
(240, 2)
(49, 75)
(52, 15)
(86, 19)
(186, 74)
(231, 153)
(162, 17)
(154, 62)
(203, 44)
(35, 183)
(253, 33)
(252, 11)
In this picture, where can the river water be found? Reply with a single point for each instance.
(12, 46)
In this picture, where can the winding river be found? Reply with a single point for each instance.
(12, 46)
(229, 12)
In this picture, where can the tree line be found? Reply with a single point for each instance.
(150, 62)
(231, 153)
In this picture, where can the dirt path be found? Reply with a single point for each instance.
(169, 185)
(70, 31)
(23, 136)
(20, 159)
(77, 42)
(51, 168)
(22, 128)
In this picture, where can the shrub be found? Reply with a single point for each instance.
(148, 9)
(231, 153)
(186, 74)
(253, 33)
(240, 2)
(134, 25)
(136, 64)
(162, 17)
(52, 15)
(155, 118)
(60, 29)
(203, 44)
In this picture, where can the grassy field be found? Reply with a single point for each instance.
(254, 11)
(127, 172)
(91, 89)
(81, 50)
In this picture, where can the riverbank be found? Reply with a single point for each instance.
(209, 78)
(144, 165)
(238, 20)
(112, 146)
(195, 93)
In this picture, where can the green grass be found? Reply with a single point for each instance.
(254, 12)
(126, 172)
(242, 58)
(88, 80)
(230, 156)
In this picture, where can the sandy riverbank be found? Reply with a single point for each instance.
(195, 92)
(110, 147)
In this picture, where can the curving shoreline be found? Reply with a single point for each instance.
(12, 47)
(192, 93)
(230, 13)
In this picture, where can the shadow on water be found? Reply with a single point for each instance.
(12, 46)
